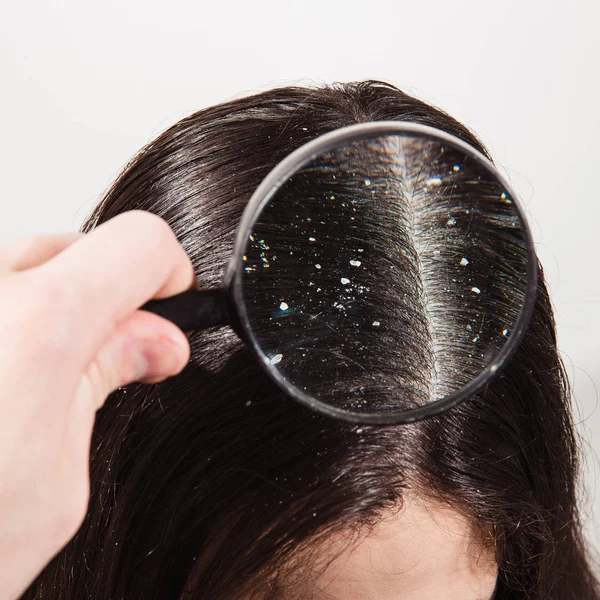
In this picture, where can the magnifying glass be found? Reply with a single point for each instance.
(381, 273)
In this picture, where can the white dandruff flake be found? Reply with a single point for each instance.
(434, 181)
(505, 332)
(312, 239)
(283, 306)
(355, 263)
(464, 262)
(345, 280)
(367, 182)
(476, 290)
(317, 266)
(456, 168)
(276, 359)
(451, 221)
(376, 323)
(360, 250)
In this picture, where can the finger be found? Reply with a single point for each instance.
(144, 347)
(33, 251)
(115, 269)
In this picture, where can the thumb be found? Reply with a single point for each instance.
(143, 347)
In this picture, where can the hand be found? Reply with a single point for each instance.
(69, 335)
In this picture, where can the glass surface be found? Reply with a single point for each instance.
(386, 274)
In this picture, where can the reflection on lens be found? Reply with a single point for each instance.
(386, 274)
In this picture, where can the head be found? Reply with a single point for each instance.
(215, 485)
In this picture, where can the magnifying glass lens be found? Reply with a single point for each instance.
(386, 274)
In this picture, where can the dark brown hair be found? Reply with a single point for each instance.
(206, 486)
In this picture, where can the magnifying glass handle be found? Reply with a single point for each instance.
(194, 309)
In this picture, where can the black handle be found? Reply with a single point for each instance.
(195, 309)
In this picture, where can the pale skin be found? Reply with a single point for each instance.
(72, 332)
(426, 551)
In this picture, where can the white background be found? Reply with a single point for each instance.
(84, 85)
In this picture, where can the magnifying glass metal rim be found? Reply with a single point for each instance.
(233, 279)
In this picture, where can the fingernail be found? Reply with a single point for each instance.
(159, 358)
